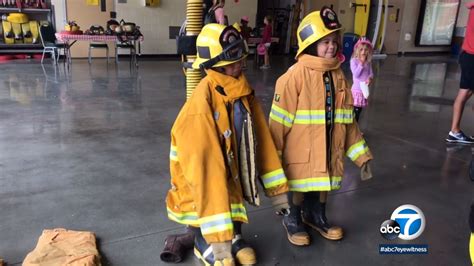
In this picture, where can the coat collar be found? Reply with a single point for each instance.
(233, 88)
(319, 63)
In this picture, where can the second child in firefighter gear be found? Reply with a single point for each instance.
(220, 148)
(313, 126)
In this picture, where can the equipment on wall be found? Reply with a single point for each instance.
(186, 43)
(151, 3)
(8, 32)
(34, 27)
(24, 4)
(17, 29)
(436, 22)
(361, 19)
(375, 17)
(378, 45)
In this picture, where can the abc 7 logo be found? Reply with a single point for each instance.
(407, 222)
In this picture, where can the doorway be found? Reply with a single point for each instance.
(394, 25)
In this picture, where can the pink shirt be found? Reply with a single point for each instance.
(468, 44)
(267, 34)
(360, 72)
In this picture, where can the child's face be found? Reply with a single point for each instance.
(363, 52)
(265, 21)
(327, 46)
(234, 69)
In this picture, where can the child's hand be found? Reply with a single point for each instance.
(369, 81)
(366, 172)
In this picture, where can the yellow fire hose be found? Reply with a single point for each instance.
(194, 18)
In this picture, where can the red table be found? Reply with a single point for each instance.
(70, 39)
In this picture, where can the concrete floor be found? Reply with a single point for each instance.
(88, 150)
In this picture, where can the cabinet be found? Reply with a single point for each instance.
(34, 14)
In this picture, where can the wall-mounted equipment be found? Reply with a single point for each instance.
(436, 22)
(151, 3)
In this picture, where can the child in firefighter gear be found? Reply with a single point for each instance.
(312, 124)
(220, 147)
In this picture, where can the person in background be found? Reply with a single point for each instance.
(361, 67)
(267, 40)
(466, 61)
(218, 8)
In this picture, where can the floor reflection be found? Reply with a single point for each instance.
(427, 87)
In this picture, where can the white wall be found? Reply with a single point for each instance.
(409, 26)
(60, 13)
(154, 22)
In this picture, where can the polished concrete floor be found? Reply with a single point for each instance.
(87, 149)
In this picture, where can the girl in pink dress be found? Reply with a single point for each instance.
(267, 40)
(361, 67)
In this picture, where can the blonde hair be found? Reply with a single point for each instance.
(356, 53)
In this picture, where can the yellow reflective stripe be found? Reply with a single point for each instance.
(238, 211)
(173, 153)
(216, 223)
(184, 217)
(274, 178)
(281, 116)
(471, 247)
(344, 116)
(310, 117)
(315, 184)
(356, 150)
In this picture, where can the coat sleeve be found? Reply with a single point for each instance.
(356, 68)
(371, 71)
(356, 148)
(271, 172)
(196, 146)
(283, 112)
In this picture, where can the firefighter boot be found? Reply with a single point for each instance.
(314, 215)
(225, 262)
(176, 246)
(243, 252)
(295, 230)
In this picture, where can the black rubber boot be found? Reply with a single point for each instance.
(295, 229)
(314, 215)
(176, 246)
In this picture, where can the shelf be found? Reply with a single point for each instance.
(20, 48)
(23, 10)
(20, 45)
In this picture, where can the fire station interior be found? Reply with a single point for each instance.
(85, 143)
